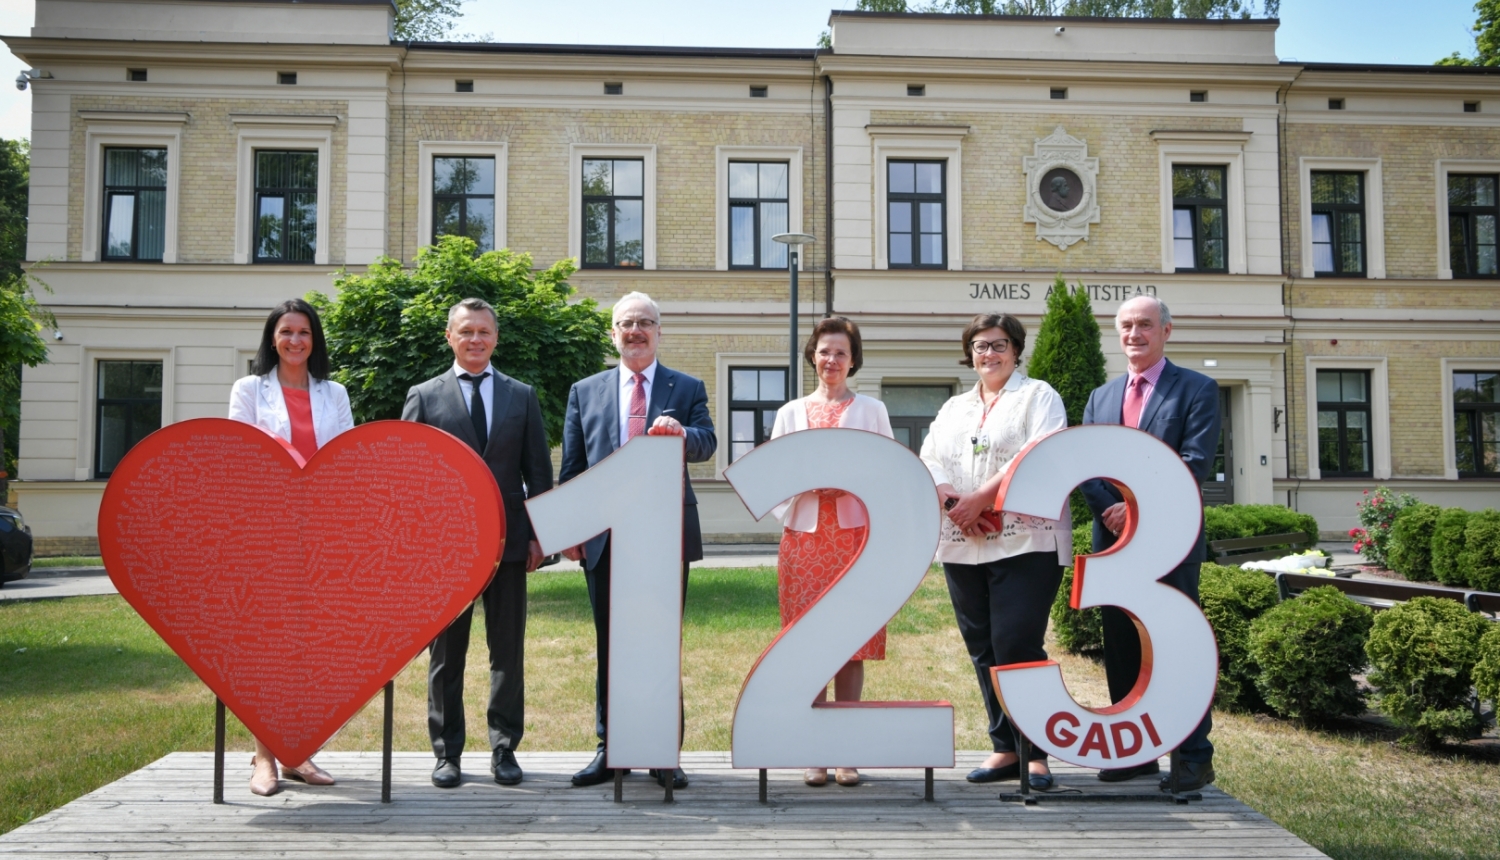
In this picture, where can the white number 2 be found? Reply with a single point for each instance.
(1179, 658)
(636, 495)
(776, 723)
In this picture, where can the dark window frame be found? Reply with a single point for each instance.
(755, 208)
(1335, 231)
(1343, 408)
(284, 192)
(1467, 416)
(1469, 216)
(463, 199)
(110, 192)
(611, 199)
(100, 402)
(1196, 205)
(762, 409)
(914, 199)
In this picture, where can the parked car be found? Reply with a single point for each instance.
(15, 546)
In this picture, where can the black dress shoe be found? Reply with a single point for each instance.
(1120, 774)
(447, 774)
(995, 774)
(1040, 781)
(506, 769)
(595, 773)
(1191, 776)
(679, 779)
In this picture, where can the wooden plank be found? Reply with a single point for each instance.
(1222, 548)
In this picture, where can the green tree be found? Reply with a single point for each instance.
(21, 318)
(385, 328)
(1067, 353)
(1486, 38)
(431, 21)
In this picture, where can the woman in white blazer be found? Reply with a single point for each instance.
(289, 395)
(825, 530)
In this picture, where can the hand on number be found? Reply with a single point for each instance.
(533, 556)
(1114, 517)
(666, 425)
(573, 553)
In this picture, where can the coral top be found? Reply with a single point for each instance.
(299, 410)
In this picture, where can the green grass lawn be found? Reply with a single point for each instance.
(88, 693)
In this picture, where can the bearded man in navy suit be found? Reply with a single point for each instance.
(1181, 408)
(605, 411)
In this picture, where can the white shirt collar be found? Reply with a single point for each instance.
(458, 370)
(626, 374)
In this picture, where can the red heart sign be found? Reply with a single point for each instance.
(296, 592)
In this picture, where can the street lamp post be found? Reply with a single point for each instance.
(793, 241)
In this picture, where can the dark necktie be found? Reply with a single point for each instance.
(476, 409)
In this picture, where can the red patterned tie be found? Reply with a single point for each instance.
(637, 425)
(1134, 401)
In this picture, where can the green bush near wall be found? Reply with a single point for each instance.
(1480, 559)
(1306, 652)
(1232, 599)
(1487, 667)
(1224, 522)
(1423, 654)
(1411, 542)
(1448, 545)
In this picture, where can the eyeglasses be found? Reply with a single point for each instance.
(981, 347)
(632, 325)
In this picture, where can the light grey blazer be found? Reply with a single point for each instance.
(257, 400)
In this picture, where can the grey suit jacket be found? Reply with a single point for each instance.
(517, 452)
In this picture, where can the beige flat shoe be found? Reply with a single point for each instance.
(308, 772)
(815, 776)
(263, 782)
(846, 776)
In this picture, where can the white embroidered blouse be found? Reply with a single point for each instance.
(965, 447)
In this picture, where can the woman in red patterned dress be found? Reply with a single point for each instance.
(825, 530)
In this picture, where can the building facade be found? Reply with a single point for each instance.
(1324, 235)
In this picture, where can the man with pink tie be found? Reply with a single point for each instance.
(1181, 408)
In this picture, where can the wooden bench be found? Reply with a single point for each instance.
(1384, 595)
(1237, 550)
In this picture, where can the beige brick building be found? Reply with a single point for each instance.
(1319, 231)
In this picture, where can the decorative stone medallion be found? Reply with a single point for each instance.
(1061, 189)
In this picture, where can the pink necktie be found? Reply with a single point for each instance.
(637, 424)
(1134, 400)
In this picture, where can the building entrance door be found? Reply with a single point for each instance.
(1219, 488)
(912, 408)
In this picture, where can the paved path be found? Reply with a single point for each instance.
(164, 810)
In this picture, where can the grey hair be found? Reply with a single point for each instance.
(635, 298)
(1161, 308)
(472, 304)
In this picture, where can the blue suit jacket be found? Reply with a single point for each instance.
(1183, 412)
(591, 432)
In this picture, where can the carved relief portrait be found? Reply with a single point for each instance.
(1061, 198)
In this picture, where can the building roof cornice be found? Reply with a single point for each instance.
(37, 51)
(1115, 71)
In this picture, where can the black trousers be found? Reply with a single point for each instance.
(598, 582)
(1002, 609)
(505, 632)
(1122, 658)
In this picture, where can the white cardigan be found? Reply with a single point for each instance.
(258, 400)
(800, 513)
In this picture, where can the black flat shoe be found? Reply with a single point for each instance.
(506, 769)
(1040, 781)
(679, 779)
(447, 774)
(595, 774)
(1120, 774)
(1191, 776)
(995, 774)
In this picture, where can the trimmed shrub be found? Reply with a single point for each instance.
(1480, 559)
(1233, 598)
(1487, 667)
(1447, 545)
(1224, 522)
(1307, 651)
(1423, 654)
(1078, 632)
(1411, 542)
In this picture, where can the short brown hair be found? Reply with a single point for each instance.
(984, 322)
(836, 325)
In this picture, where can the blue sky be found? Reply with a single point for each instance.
(1352, 31)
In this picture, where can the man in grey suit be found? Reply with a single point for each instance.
(501, 419)
(1181, 408)
(605, 411)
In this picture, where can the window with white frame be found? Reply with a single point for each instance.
(755, 393)
(286, 206)
(463, 199)
(1199, 220)
(1476, 423)
(1338, 223)
(1473, 214)
(1344, 424)
(614, 204)
(758, 210)
(916, 214)
(131, 176)
(135, 203)
(127, 409)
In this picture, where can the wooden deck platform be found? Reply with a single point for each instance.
(164, 810)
